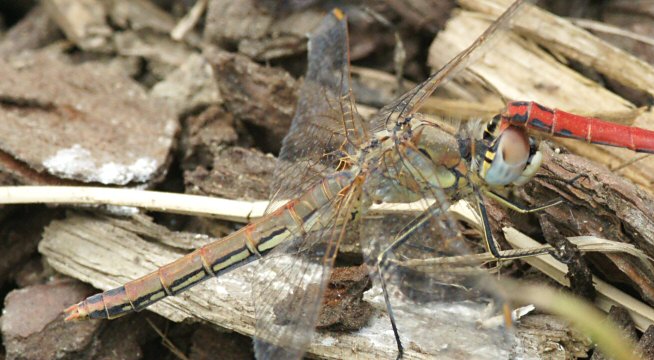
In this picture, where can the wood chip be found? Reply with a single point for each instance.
(519, 69)
(261, 97)
(33, 31)
(79, 246)
(234, 20)
(83, 21)
(189, 87)
(87, 122)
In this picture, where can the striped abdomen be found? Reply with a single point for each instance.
(213, 259)
(563, 124)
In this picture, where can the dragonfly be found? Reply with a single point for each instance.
(334, 167)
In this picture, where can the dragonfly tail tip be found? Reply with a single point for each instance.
(75, 313)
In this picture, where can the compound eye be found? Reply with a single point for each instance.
(514, 146)
(511, 156)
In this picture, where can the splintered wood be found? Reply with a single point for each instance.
(227, 301)
(220, 95)
(104, 135)
(527, 65)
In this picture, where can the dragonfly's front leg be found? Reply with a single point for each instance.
(382, 265)
(384, 259)
(491, 244)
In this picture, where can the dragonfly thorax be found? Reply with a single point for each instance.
(412, 166)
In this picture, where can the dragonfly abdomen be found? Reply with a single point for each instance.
(563, 124)
(213, 259)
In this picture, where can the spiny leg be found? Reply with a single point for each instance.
(463, 263)
(384, 261)
(382, 264)
(569, 182)
(521, 208)
(491, 243)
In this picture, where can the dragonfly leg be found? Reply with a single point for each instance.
(491, 244)
(389, 309)
(521, 208)
(570, 182)
(384, 260)
(574, 179)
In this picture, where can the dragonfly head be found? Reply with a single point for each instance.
(505, 154)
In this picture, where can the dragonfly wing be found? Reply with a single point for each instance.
(410, 102)
(430, 279)
(439, 301)
(326, 124)
(291, 279)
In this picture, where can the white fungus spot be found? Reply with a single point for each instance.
(77, 162)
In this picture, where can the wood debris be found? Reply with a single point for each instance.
(91, 124)
(197, 99)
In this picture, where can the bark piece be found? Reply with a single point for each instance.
(601, 204)
(343, 307)
(145, 34)
(262, 97)
(79, 246)
(33, 31)
(264, 34)
(214, 166)
(163, 54)
(83, 21)
(427, 14)
(140, 15)
(32, 325)
(286, 36)
(269, 49)
(236, 173)
(280, 7)
(191, 86)
(204, 135)
(233, 20)
(88, 123)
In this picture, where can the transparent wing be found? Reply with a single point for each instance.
(437, 305)
(326, 125)
(326, 129)
(291, 280)
(411, 101)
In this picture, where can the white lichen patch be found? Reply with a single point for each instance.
(78, 163)
(122, 210)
